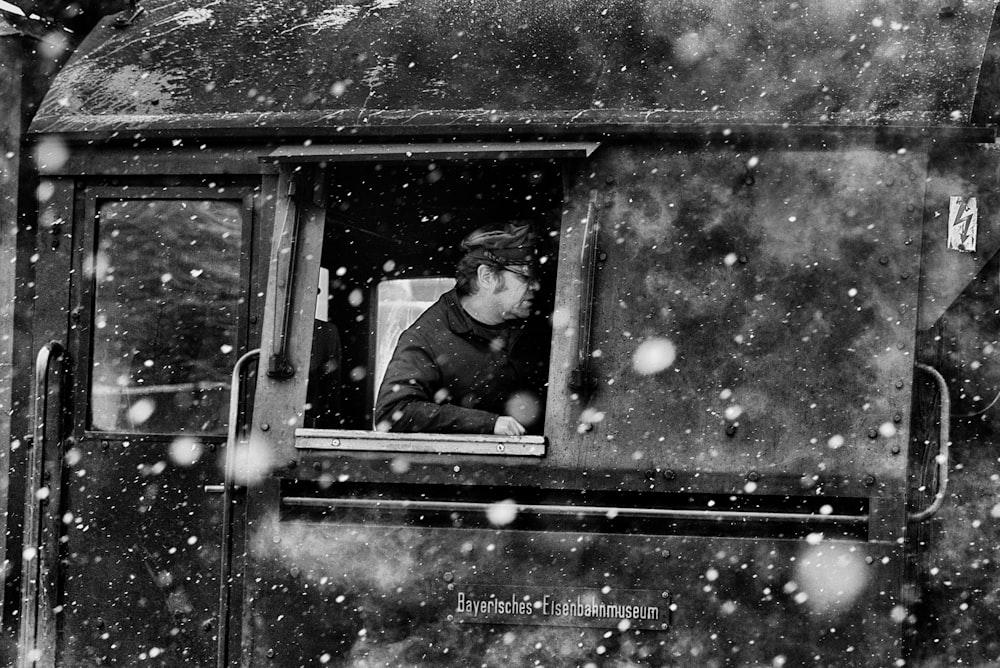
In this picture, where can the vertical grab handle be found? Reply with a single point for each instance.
(582, 380)
(228, 488)
(943, 447)
(294, 212)
(283, 268)
(35, 637)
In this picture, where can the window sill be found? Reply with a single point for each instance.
(351, 440)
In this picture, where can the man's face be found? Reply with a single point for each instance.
(518, 290)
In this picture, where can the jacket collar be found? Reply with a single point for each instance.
(463, 324)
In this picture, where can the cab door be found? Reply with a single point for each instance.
(144, 295)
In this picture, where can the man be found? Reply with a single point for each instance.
(472, 363)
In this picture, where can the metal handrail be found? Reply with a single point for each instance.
(228, 487)
(561, 510)
(943, 447)
(28, 636)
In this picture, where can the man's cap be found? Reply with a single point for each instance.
(502, 243)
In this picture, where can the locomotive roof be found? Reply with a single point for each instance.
(288, 66)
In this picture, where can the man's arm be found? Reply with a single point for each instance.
(408, 399)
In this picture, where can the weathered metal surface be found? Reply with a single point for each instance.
(577, 62)
(955, 576)
(378, 594)
(755, 314)
(140, 569)
(944, 273)
(10, 183)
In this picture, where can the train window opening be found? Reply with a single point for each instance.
(167, 293)
(390, 248)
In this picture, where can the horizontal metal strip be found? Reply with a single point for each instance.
(424, 151)
(610, 512)
(356, 440)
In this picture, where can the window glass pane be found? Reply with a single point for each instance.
(167, 280)
(400, 302)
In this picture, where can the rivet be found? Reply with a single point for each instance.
(869, 559)
(270, 653)
(291, 464)
(869, 480)
(895, 449)
(610, 180)
(449, 576)
(731, 429)
(265, 426)
(602, 257)
(666, 554)
(670, 474)
(212, 447)
(743, 259)
(873, 433)
(905, 275)
(900, 384)
(883, 260)
(897, 418)
(335, 442)
(253, 319)
(105, 445)
(650, 474)
(753, 476)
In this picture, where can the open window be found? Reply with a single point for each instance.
(390, 246)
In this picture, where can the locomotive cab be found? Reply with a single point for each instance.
(749, 262)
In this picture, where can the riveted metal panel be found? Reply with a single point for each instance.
(755, 314)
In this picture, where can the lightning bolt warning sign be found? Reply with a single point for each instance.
(963, 224)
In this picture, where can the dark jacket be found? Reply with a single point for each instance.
(452, 374)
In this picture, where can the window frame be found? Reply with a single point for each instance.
(89, 201)
(300, 215)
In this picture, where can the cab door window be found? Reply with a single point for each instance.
(166, 276)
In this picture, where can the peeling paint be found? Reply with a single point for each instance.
(330, 19)
(194, 16)
(854, 63)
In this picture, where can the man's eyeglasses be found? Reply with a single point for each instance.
(527, 274)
